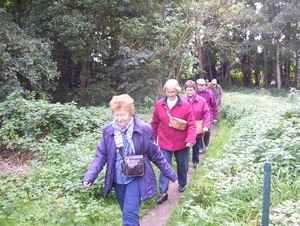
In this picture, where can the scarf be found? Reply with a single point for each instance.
(118, 133)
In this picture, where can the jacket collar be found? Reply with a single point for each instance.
(204, 91)
(179, 102)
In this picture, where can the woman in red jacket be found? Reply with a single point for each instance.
(201, 112)
(171, 140)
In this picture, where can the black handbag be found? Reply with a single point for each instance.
(132, 165)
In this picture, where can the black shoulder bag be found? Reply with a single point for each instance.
(132, 165)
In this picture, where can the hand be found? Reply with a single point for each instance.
(205, 129)
(175, 182)
(87, 184)
(188, 144)
(215, 121)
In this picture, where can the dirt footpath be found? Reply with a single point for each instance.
(159, 215)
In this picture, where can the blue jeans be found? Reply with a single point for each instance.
(129, 199)
(181, 157)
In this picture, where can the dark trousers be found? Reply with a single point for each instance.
(198, 146)
(181, 157)
(206, 138)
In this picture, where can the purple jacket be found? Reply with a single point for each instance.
(211, 102)
(144, 145)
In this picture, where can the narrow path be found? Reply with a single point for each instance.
(159, 215)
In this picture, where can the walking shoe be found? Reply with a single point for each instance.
(206, 148)
(196, 166)
(181, 188)
(201, 151)
(162, 198)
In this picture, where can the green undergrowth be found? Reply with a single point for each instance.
(226, 190)
(228, 187)
(63, 138)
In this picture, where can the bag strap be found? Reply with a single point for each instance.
(119, 150)
(168, 113)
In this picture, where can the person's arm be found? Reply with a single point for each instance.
(220, 94)
(206, 116)
(214, 106)
(156, 156)
(191, 127)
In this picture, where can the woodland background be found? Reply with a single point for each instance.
(62, 60)
(88, 50)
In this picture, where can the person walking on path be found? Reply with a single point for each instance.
(201, 112)
(216, 90)
(213, 107)
(133, 137)
(171, 140)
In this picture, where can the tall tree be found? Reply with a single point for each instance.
(276, 21)
(25, 61)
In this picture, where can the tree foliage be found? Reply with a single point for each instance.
(102, 48)
(26, 62)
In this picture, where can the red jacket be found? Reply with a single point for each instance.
(167, 137)
(200, 109)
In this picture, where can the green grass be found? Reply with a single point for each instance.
(225, 190)
(199, 190)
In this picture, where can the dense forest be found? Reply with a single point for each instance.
(88, 50)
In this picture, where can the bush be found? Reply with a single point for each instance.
(25, 122)
(63, 138)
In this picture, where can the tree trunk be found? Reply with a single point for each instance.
(287, 73)
(266, 67)
(257, 79)
(296, 70)
(209, 67)
(223, 73)
(246, 70)
(226, 76)
(278, 64)
(83, 80)
(200, 58)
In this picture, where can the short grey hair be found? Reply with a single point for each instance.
(172, 83)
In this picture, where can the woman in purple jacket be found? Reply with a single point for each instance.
(129, 133)
(201, 112)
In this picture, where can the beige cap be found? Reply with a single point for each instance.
(201, 81)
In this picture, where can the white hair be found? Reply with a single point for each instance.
(172, 83)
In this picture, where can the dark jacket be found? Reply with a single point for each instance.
(144, 144)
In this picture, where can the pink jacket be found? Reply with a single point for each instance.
(200, 109)
(211, 102)
(167, 137)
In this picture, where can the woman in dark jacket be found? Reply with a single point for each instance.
(134, 137)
